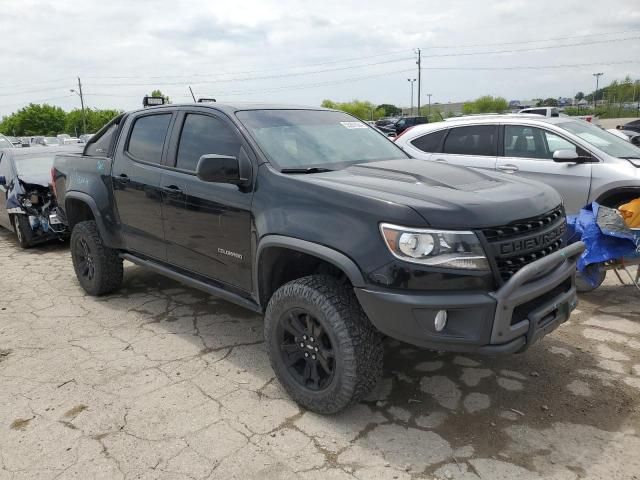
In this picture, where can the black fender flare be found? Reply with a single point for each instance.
(85, 198)
(334, 257)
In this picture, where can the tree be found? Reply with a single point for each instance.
(364, 110)
(96, 119)
(35, 120)
(158, 93)
(550, 102)
(579, 96)
(389, 110)
(486, 104)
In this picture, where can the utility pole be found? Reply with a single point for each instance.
(419, 63)
(595, 94)
(411, 82)
(429, 111)
(79, 93)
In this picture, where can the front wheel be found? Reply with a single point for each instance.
(23, 230)
(321, 345)
(98, 268)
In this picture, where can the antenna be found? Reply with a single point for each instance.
(192, 95)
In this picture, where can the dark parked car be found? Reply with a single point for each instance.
(633, 126)
(27, 203)
(403, 124)
(328, 228)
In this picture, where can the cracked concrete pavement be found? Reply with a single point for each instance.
(161, 381)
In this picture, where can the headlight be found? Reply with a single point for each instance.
(436, 248)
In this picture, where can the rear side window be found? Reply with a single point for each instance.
(430, 142)
(101, 146)
(147, 137)
(472, 140)
(202, 135)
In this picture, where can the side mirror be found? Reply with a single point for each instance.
(224, 169)
(3, 181)
(568, 156)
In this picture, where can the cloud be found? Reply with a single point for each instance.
(122, 49)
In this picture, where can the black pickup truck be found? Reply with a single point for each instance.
(324, 225)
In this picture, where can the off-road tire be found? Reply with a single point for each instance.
(356, 343)
(107, 265)
(22, 230)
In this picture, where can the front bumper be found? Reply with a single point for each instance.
(531, 304)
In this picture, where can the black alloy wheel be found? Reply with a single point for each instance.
(306, 349)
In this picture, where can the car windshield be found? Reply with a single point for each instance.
(306, 139)
(28, 165)
(601, 139)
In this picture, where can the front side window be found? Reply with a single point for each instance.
(430, 142)
(555, 142)
(472, 140)
(316, 138)
(523, 141)
(147, 137)
(202, 135)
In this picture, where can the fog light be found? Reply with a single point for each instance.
(441, 320)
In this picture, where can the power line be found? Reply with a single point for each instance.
(537, 67)
(237, 72)
(551, 39)
(242, 79)
(348, 67)
(530, 49)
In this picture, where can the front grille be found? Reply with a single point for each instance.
(522, 242)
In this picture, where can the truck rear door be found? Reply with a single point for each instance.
(137, 171)
(207, 225)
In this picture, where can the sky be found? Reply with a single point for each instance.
(303, 51)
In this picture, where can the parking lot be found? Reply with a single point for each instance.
(162, 381)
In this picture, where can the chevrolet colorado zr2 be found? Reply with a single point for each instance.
(316, 220)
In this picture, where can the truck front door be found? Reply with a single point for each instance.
(136, 181)
(207, 225)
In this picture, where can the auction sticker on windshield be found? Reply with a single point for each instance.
(351, 125)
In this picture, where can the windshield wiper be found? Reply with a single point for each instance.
(306, 170)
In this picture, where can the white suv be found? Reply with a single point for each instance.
(582, 161)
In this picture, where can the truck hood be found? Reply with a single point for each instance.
(35, 180)
(446, 196)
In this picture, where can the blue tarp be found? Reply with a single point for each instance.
(602, 243)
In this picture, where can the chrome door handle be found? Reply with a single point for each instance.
(509, 168)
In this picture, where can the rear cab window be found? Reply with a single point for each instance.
(147, 137)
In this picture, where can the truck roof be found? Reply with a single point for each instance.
(235, 106)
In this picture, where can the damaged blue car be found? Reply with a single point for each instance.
(27, 202)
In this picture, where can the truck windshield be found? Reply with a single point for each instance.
(601, 139)
(307, 139)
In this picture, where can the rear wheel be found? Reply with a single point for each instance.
(23, 230)
(321, 345)
(98, 268)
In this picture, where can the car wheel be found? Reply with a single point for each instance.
(322, 347)
(584, 286)
(98, 268)
(23, 230)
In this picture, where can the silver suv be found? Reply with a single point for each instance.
(581, 161)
